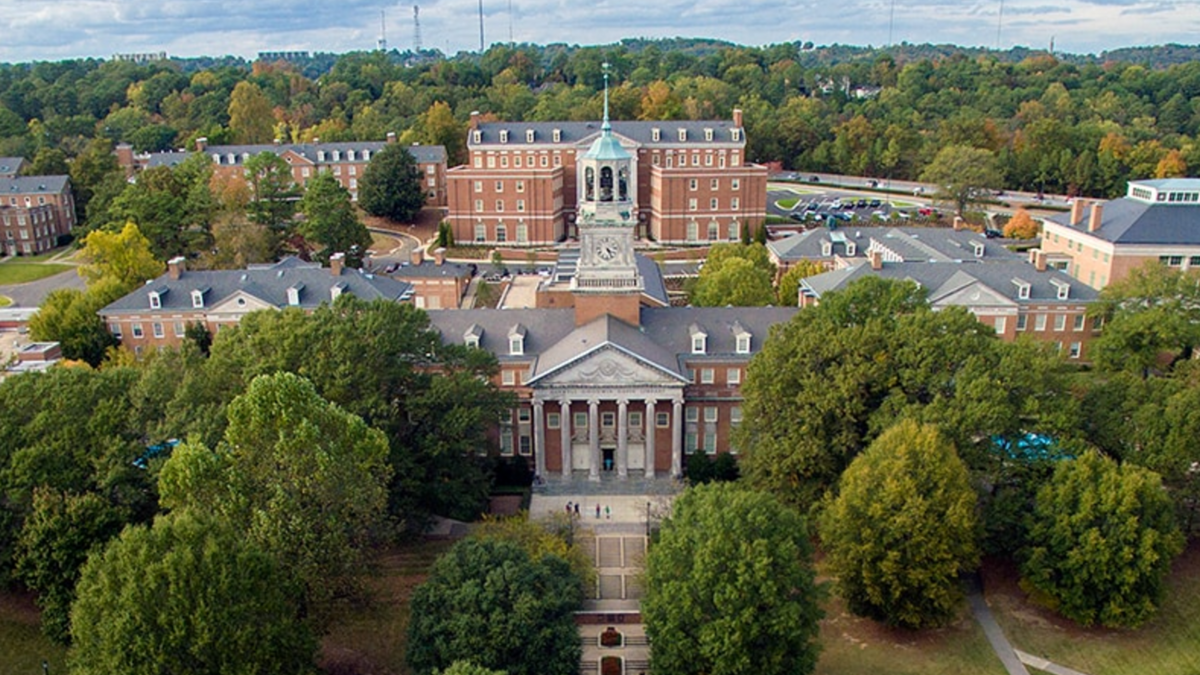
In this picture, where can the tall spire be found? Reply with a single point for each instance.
(606, 127)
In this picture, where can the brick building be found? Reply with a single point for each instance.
(345, 160)
(1101, 242)
(158, 313)
(687, 181)
(36, 213)
(436, 284)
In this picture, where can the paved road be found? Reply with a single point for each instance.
(32, 293)
(1042, 664)
(991, 629)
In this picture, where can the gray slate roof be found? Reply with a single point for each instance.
(10, 166)
(605, 330)
(429, 269)
(912, 244)
(424, 154)
(269, 283)
(942, 279)
(543, 328)
(573, 133)
(33, 184)
(1131, 221)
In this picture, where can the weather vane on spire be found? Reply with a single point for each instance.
(606, 126)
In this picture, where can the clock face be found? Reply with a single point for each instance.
(607, 249)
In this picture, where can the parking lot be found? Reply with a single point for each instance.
(839, 207)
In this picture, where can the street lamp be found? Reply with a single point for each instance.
(647, 520)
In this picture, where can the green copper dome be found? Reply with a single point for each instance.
(607, 148)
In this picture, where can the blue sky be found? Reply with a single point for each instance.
(56, 29)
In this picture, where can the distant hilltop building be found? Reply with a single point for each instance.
(284, 56)
(140, 57)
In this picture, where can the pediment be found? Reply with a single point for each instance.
(609, 367)
(625, 141)
(976, 294)
(240, 302)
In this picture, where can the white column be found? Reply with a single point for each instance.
(593, 439)
(622, 440)
(649, 435)
(677, 438)
(539, 439)
(564, 425)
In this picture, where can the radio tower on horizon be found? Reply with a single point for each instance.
(382, 31)
(416, 29)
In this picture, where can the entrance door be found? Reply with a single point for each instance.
(608, 458)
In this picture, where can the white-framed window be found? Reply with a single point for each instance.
(581, 420)
(115, 329)
(715, 184)
(735, 184)
(710, 442)
(706, 376)
(708, 134)
(1000, 324)
(714, 231)
(1076, 350)
(734, 203)
(734, 231)
(508, 378)
(520, 186)
(137, 331)
(478, 205)
(155, 300)
(197, 299)
(1039, 322)
(479, 186)
(430, 169)
(501, 233)
(608, 420)
(1079, 320)
(504, 161)
(180, 330)
(699, 343)
(516, 345)
(524, 415)
(710, 414)
(692, 414)
(520, 206)
(1060, 322)
(522, 231)
(662, 420)
(529, 135)
(499, 186)
(693, 231)
(713, 204)
(735, 415)
(1022, 322)
(635, 419)
(504, 135)
(692, 204)
(693, 184)
(553, 420)
(157, 328)
(499, 206)
(480, 232)
(683, 134)
(733, 376)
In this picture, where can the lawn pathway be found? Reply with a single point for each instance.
(991, 629)
(1042, 664)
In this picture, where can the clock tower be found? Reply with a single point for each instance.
(607, 198)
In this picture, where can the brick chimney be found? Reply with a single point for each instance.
(391, 137)
(959, 223)
(336, 262)
(1097, 216)
(876, 258)
(474, 119)
(417, 256)
(737, 118)
(202, 144)
(176, 267)
(1037, 258)
(439, 255)
(124, 153)
(1077, 207)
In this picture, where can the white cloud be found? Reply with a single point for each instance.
(54, 29)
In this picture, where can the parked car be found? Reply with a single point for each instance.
(861, 204)
(391, 268)
(814, 179)
(875, 203)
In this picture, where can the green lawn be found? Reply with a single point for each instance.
(5, 301)
(852, 646)
(20, 272)
(789, 203)
(22, 645)
(1169, 644)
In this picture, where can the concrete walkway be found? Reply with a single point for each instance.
(1044, 665)
(991, 629)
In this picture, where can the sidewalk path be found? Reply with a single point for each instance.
(1042, 664)
(991, 629)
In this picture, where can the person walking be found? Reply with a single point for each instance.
(568, 508)
(597, 512)
(576, 509)
(607, 513)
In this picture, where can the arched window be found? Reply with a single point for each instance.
(606, 184)
(589, 179)
(623, 184)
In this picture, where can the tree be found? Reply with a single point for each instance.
(250, 117)
(963, 174)
(468, 668)
(57, 537)
(539, 538)
(298, 475)
(1101, 540)
(480, 595)
(1151, 317)
(68, 316)
(187, 595)
(730, 586)
(740, 275)
(272, 193)
(903, 528)
(1021, 226)
(391, 186)
(124, 258)
(329, 219)
(789, 285)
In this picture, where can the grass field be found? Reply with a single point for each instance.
(382, 243)
(371, 637)
(22, 645)
(788, 203)
(852, 646)
(20, 272)
(5, 301)
(1168, 644)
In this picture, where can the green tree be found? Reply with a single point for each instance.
(272, 193)
(57, 537)
(735, 274)
(789, 284)
(68, 316)
(250, 115)
(330, 221)
(186, 595)
(1101, 540)
(301, 477)
(392, 185)
(1150, 318)
(903, 528)
(468, 668)
(481, 594)
(89, 170)
(123, 258)
(47, 162)
(730, 586)
(964, 175)
(555, 536)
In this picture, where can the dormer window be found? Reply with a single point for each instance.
(736, 134)
(529, 135)
(504, 135)
(708, 134)
(336, 290)
(477, 136)
(337, 156)
(826, 248)
(979, 248)
(851, 248)
(350, 155)
(472, 336)
(320, 155)
(198, 298)
(156, 299)
(293, 295)
(682, 135)
(231, 158)
(1063, 288)
(656, 134)
(742, 337)
(516, 341)
(366, 155)
(699, 340)
(557, 135)
(1023, 288)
